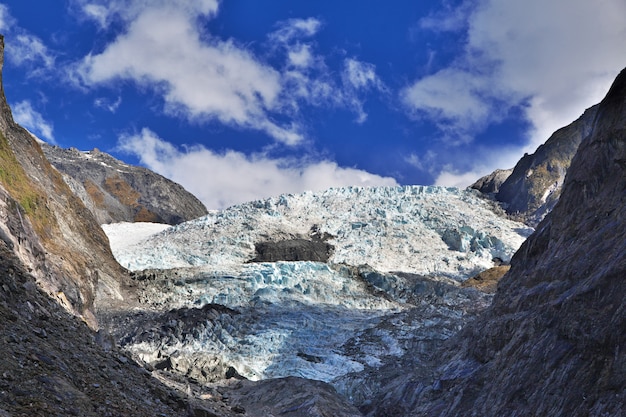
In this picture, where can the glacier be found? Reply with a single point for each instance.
(420, 229)
(387, 295)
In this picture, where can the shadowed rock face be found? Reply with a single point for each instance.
(117, 192)
(553, 341)
(532, 189)
(290, 397)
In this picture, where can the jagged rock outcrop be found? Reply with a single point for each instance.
(553, 341)
(117, 192)
(48, 226)
(534, 186)
(490, 184)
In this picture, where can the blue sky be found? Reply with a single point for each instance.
(245, 99)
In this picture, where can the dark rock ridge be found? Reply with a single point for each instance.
(534, 186)
(47, 226)
(117, 192)
(552, 343)
(290, 397)
(54, 365)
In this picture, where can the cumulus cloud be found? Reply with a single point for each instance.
(25, 115)
(198, 80)
(553, 60)
(222, 179)
(203, 78)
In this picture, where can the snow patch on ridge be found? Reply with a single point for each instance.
(124, 234)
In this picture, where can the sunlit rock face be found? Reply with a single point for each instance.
(48, 227)
(533, 187)
(117, 192)
(342, 286)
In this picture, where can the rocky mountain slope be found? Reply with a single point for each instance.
(117, 192)
(533, 187)
(54, 365)
(48, 226)
(56, 268)
(552, 343)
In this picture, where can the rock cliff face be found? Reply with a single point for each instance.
(553, 341)
(48, 226)
(532, 189)
(490, 184)
(117, 192)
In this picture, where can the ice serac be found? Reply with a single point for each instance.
(117, 192)
(434, 231)
(553, 341)
(48, 226)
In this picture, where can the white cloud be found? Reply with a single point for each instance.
(300, 56)
(25, 115)
(359, 76)
(456, 100)
(291, 29)
(108, 104)
(27, 48)
(203, 78)
(5, 18)
(103, 12)
(553, 59)
(223, 179)
(200, 78)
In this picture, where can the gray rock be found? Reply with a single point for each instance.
(117, 192)
(490, 184)
(534, 186)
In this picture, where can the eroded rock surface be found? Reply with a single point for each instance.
(49, 227)
(117, 192)
(54, 365)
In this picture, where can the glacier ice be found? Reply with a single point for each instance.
(424, 230)
(390, 289)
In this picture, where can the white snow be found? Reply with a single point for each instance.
(122, 235)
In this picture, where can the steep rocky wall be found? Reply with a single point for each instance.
(75, 262)
(534, 186)
(553, 341)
